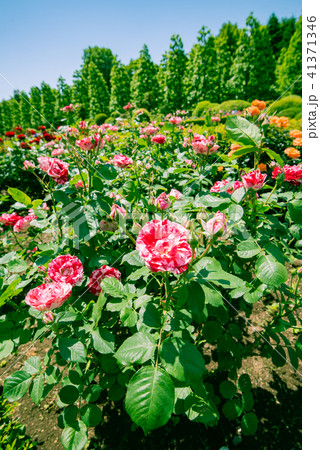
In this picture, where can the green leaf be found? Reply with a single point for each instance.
(75, 437)
(212, 296)
(91, 393)
(151, 316)
(137, 349)
(249, 424)
(150, 398)
(6, 348)
(270, 271)
(227, 389)
(37, 388)
(69, 394)
(295, 211)
(279, 357)
(235, 212)
(247, 401)
(103, 340)
(19, 196)
(17, 266)
(106, 171)
(243, 151)
(196, 301)
(16, 385)
(182, 360)
(248, 249)
(97, 307)
(232, 409)
(274, 155)
(133, 259)
(112, 286)
(199, 410)
(212, 330)
(10, 291)
(32, 365)
(91, 415)
(243, 132)
(244, 383)
(72, 350)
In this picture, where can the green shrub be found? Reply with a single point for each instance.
(141, 115)
(298, 116)
(195, 121)
(203, 107)
(289, 112)
(100, 118)
(291, 101)
(115, 114)
(233, 105)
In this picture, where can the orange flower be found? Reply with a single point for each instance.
(297, 142)
(259, 104)
(253, 110)
(292, 152)
(220, 168)
(284, 122)
(262, 167)
(296, 133)
(233, 148)
(274, 119)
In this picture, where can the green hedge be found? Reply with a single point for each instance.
(203, 107)
(100, 118)
(234, 105)
(291, 101)
(290, 112)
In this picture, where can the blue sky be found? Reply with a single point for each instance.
(40, 40)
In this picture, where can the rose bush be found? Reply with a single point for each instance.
(141, 252)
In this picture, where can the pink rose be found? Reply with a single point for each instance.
(48, 296)
(48, 317)
(66, 269)
(163, 201)
(175, 120)
(189, 162)
(149, 130)
(254, 180)
(215, 119)
(219, 222)
(98, 275)
(10, 219)
(218, 185)
(83, 125)
(121, 161)
(292, 174)
(128, 106)
(236, 185)
(55, 168)
(28, 164)
(117, 210)
(175, 193)
(24, 223)
(164, 246)
(57, 151)
(158, 139)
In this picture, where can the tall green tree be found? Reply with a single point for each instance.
(80, 94)
(48, 100)
(275, 31)
(226, 45)
(63, 97)
(201, 78)
(98, 92)
(289, 69)
(173, 66)
(253, 69)
(35, 100)
(25, 110)
(144, 84)
(120, 87)
(7, 119)
(288, 27)
(103, 59)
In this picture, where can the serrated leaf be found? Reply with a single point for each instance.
(32, 365)
(19, 196)
(248, 249)
(182, 360)
(112, 286)
(137, 349)
(243, 132)
(72, 350)
(103, 340)
(37, 388)
(75, 437)
(16, 385)
(270, 271)
(150, 398)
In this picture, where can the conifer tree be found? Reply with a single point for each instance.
(144, 84)
(7, 119)
(120, 87)
(35, 100)
(275, 31)
(48, 100)
(25, 110)
(98, 92)
(103, 60)
(201, 80)
(226, 45)
(289, 69)
(173, 66)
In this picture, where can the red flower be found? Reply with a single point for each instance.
(164, 246)
(21, 136)
(98, 275)
(121, 161)
(66, 269)
(18, 128)
(55, 168)
(10, 219)
(163, 201)
(158, 139)
(24, 223)
(41, 127)
(24, 145)
(48, 137)
(9, 134)
(48, 296)
(35, 140)
(292, 174)
(218, 185)
(254, 180)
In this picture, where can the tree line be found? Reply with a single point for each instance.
(258, 61)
